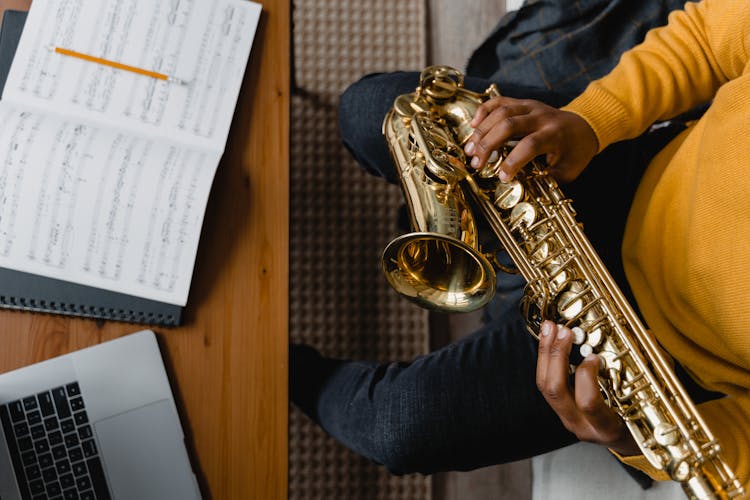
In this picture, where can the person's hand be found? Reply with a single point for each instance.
(582, 409)
(565, 138)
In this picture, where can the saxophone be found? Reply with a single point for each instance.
(442, 266)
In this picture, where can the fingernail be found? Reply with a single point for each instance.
(475, 162)
(469, 148)
(599, 359)
(546, 329)
(503, 175)
(562, 332)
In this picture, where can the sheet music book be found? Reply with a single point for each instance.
(105, 172)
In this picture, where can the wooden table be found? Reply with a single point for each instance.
(228, 363)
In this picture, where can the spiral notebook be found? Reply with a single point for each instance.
(113, 118)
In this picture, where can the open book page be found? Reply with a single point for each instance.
(204, 44)
(100, 206)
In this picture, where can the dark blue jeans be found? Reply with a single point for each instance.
(472, 403)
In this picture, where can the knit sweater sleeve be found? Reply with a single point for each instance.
(677, 67)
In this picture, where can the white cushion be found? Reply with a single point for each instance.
(588, 471)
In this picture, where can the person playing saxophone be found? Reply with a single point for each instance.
(684, 246)
(665, 206)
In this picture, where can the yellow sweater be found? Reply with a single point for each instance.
(687, 241)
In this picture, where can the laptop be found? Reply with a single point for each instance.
(99, 423)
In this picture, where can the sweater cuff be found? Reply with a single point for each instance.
(603, 112)
(641, 463)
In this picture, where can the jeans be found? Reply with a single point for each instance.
(475, 402)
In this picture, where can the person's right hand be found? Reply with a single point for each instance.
(566, 139)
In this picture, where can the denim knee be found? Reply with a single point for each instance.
(362, 108)
(403, 447)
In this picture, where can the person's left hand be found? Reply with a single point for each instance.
(581, 409)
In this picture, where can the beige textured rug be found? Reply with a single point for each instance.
(341, 219)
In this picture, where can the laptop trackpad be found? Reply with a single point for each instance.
(144, 456)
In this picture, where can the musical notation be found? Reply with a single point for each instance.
(104, 171)
(95, 205)
(18, 134)
(149, 35)
(172, 225)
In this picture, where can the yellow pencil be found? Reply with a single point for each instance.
(117, 65)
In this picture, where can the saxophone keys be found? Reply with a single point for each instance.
(492, 168)
(595, 326)
(570, 302)
(611, 360)
(407, 105)
(680, 471)
(595, 337)
(666, 434)
(538, 250)
(591, 340)
(586, 350)
(579, 336)
(523, 214)
(557, 274)
(508, 194)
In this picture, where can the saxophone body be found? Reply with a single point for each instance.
(442, 265)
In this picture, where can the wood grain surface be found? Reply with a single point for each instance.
(228, 363)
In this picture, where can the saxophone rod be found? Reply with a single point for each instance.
(579, 239)
(727, 476)
(649, 344)
(668, 378)
(730, 483)
(604, 280)
(502, 232)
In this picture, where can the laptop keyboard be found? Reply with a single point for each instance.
(52, 446)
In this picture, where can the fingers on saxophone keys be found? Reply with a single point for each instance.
(488, 107)
(606, 426)
(587, 395)
(527, 149)
(552, 374)
(502, 124)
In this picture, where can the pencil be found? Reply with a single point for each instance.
(117, 65)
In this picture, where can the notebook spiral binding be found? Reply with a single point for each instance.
(88, 311)
(30, 292)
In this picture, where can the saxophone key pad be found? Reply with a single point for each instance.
(681, 471)
(557, 275)
(666, 434)
(611, 361)
(523, 214)
(538, 250)
(585, 350)
(508, 195)
(595, 335)
(579, 335)
(570, 302)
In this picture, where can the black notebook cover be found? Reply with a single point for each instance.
(20, 290)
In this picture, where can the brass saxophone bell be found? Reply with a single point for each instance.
(439, 272)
